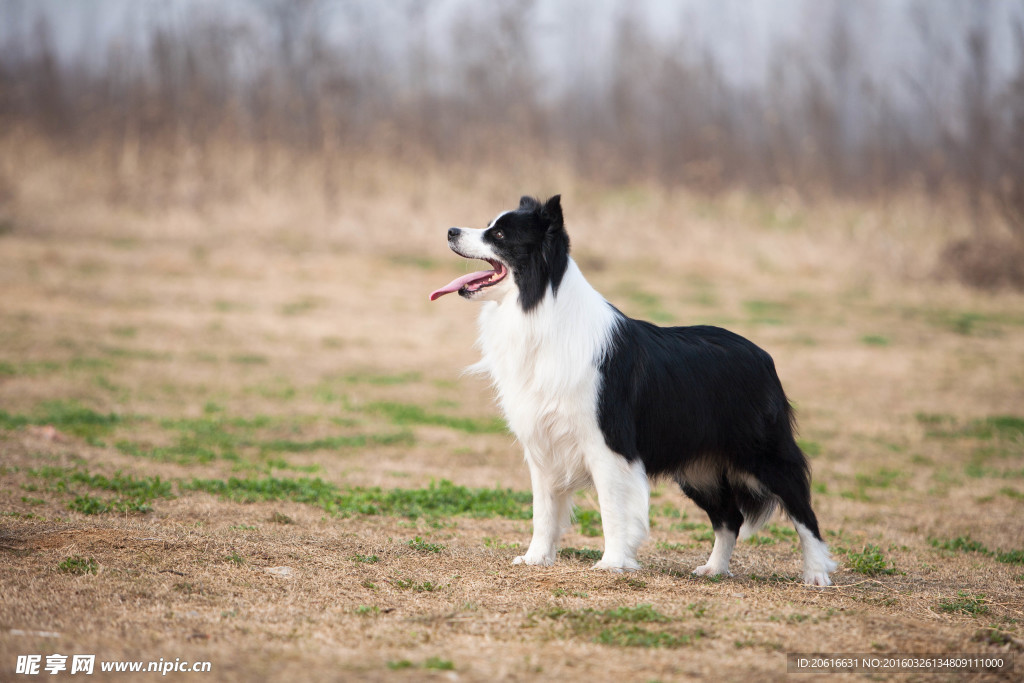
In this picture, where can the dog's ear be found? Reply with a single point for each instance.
(528, 203)
(552, 211)
(549, 269)
(556, 241)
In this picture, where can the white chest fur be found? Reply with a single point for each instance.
(544, 366)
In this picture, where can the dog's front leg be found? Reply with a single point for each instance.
(551, 514)
(623, 493)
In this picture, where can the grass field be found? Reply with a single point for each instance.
(243, 438)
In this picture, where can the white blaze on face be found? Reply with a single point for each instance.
(469, 243)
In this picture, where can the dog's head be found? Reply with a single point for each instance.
(528, 250)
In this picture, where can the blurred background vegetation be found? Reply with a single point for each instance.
(187, 105)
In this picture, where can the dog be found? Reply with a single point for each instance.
(600, 399)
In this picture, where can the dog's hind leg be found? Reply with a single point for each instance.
(623, 493)
(818, 562)
(790, 482)
(551, 515)
(726, 519)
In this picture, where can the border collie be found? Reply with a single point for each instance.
(597, 398)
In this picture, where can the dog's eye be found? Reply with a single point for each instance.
(498, 234)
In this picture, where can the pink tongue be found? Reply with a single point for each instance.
(457, 284)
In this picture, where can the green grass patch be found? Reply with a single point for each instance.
(665, 510)
(935, 423)
(767, 312)
(438, 664)
(136, 354)
(411, 414)
(583, 554)
(199, 440)
(965, 603)
(621, 635)
(774, 578)
(684, 524)
(216, 436)
(417, 586)
(1010, 557)
(883, 478)
(1000, 426)
(404, 438)
(383, 380)
(144, 487)
(423, 546)
(966, 544)
(589, 521)
(365, 559)
(28, 368)
(434, 663)
(706, 535)
(78, 565)
(301, 306)
(91, 505)
(759, 540)
(440, 499)
(812, 449)
(70, 417)
(622, 627)
(282, 464)
(249, 359)
(650, 307)
(225, 306)
(1011, 493)
(18, 515)
(677, 547)
(302, 490)
(870, 561)
(205, 439)
(874, 340)
(185, 452)
(400, 664)
(643, 613)
(994, 427)
(970, 323)
(134, 494)
(87, 364)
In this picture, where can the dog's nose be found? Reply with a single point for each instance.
(453, 233)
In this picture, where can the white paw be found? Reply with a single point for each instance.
(816, 572)
(711, 570)
(817, 579)
(617, 565)
(535, 560)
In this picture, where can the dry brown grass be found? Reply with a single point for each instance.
(274, 307)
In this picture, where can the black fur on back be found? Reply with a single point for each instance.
(703, 399)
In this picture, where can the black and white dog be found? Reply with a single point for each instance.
(597, 398)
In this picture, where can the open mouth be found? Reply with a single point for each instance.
(473, 282)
